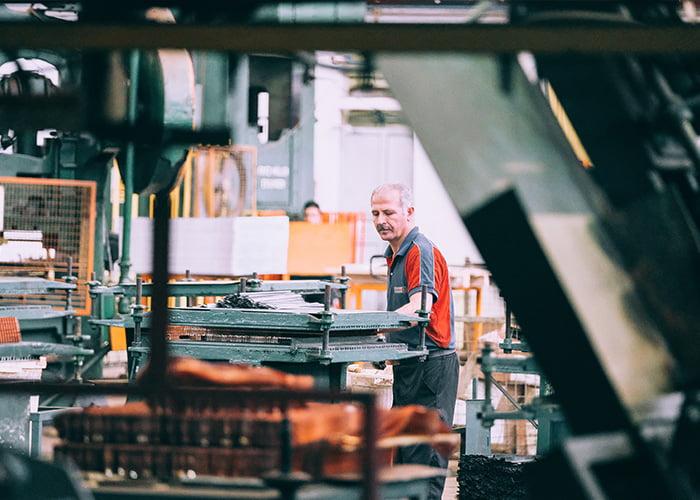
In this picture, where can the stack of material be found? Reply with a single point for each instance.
(488, 478)
(137, 441)
(193, 372)
(27, 368)
(279, 300)
(203, 435)
(175, 440)
(22, 369)
(176, 437)
(208, 334)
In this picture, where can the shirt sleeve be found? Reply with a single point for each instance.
(420, 270)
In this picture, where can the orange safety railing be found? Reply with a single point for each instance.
(63, 212)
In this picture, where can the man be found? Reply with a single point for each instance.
(414, 261)
(312, 212)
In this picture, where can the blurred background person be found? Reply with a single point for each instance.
(312, 212)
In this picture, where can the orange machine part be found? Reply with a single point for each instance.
(9, 330)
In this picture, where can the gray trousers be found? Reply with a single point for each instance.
(432, 383)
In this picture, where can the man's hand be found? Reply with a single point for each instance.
(414, 305)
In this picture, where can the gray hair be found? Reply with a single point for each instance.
(405, 193)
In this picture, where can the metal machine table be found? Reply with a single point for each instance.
(290, 341)
(11, 285)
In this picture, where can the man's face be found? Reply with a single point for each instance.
(390, 219)
(313, 215)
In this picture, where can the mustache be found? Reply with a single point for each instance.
(381, 227)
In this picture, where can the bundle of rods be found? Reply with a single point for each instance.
(281, 300)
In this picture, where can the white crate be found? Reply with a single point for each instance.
(221, 246)
(22, 369)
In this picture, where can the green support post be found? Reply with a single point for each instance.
(327, 321)
(343, 280)
(424, 314)
(125, 261)
(137, 310)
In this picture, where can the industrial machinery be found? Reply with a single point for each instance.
(47, 238)
(542, 412)
(26, 360)
(599, 265)
(45, 330)
(482, 470)
(311, 339)
(37, 341)
(239, 432)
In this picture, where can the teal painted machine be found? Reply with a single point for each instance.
(320, 343)
(47, 331)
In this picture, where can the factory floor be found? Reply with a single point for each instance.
(450, 491)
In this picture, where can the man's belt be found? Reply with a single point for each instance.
(432, 354)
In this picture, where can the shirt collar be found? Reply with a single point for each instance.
(388, 253)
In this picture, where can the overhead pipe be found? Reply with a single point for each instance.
(311, 12)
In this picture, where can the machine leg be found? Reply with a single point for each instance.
(35, 430)
(477, 438)
(326, 377)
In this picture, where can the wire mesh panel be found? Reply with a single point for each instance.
(45, 222)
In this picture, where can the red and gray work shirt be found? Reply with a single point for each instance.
(418, 262)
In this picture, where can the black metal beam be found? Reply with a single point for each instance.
(554, 332)
(363, 37)
(557, 337)
(159, 302)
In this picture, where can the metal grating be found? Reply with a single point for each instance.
(62, 215)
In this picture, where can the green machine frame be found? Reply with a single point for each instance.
(320, 344)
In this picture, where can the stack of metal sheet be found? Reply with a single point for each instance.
(352, 336)
(266, 322)
(318, 343)
(284, 300)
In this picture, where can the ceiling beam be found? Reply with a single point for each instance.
(363, 37)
